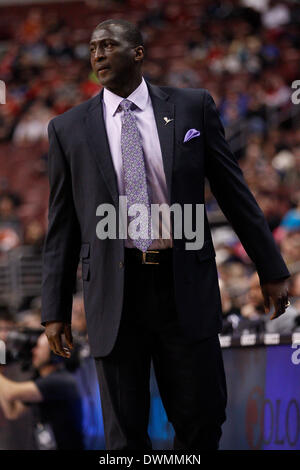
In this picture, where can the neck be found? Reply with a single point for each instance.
(46, 370)
(127, 88)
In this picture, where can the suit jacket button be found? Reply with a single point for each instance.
(121, 265)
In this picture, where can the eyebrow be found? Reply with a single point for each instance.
(93, 41)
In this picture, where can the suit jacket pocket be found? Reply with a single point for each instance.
(85, 251)
(191, 145)
(207, 251)
(85, 271)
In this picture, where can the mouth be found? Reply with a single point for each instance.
(102, 69)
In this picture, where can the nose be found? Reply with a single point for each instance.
(99, 53)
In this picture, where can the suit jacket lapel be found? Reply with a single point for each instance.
(163, 108)
(99, 145)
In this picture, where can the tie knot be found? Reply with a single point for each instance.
(126, 105)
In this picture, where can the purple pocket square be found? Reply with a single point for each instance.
(191, 134)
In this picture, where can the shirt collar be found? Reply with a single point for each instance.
(139, 97)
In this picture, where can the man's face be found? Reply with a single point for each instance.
(113, 58)
(41, 352)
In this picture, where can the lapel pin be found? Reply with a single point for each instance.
(167, 120)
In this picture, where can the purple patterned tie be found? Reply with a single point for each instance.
(134, 172)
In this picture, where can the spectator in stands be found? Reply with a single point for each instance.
(33, 126)
(290, 247)
(34, 236)
(231, 315)
(55, 397)
(276, 15)
(254, 308)
(29, 319)
(7, 323)
(8, 214)
(6, 191)
(291, 220)
(181, 75)
(10, 224)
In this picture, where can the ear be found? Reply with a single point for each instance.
(139, 53)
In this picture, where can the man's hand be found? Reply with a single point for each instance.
(277, 291)
(12, 409)
(54, 331)
(3, 387)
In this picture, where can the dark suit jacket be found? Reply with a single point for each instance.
(82, 176)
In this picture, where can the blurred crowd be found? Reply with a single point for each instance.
(245, 52)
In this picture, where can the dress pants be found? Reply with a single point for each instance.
(190, 374)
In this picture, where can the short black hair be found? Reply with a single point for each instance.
(6, 315)
(132, 33)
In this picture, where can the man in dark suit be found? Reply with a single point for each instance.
(147, 299)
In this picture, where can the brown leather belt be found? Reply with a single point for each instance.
(133, 255)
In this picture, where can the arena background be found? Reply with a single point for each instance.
(246, 53)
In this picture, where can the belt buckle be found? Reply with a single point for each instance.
(144, 257)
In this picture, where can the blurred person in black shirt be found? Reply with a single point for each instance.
(55, 399)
